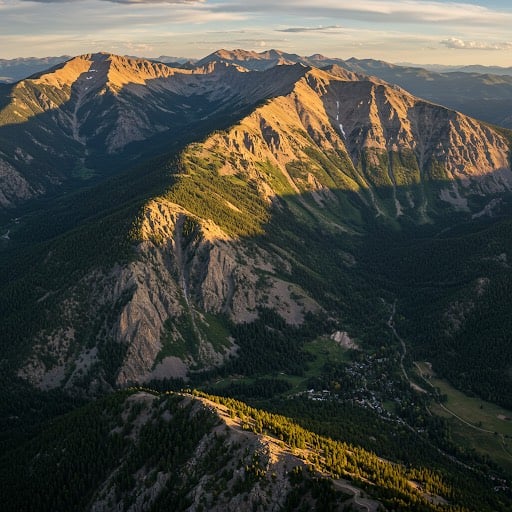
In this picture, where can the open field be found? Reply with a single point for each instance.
(323, 349)
(476, 424)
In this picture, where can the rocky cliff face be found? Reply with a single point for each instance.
(401, 154)
(98, 105)
(185, 267)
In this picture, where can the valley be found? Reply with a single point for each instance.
(227, 278)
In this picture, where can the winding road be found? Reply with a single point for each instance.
(365, 503)
(391, 325)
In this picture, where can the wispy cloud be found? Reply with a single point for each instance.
(330, 28)
(398, 12)
(132, 2)
(378, 11)
(460, 44)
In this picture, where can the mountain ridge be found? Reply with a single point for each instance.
(233, 457)
(93, 103)
(473, 93)
(329, 151)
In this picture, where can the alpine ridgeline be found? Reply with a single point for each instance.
(84, 117)
(140, 450)
(477, 91)
(254, 242)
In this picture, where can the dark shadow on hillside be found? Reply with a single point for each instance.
(353, 252)
(74, 199)
(355, 267)
(353, 273)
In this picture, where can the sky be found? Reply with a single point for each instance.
(422, 32)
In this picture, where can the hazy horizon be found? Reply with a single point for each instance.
(421, 32)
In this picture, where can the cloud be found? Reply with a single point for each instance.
(131, 2)
(377, 11)
(397, 12)
(329, 28)
(460, 44)
(141, 2)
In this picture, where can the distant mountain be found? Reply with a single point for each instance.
(167, 59)
(472, 68)
(482, 96)
(486, 70)
(258, 61)
(12, 70)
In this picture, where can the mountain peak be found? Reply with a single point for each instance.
(251, 59)
(318, 56)
(102, 69)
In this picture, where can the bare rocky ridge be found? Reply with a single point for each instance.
(373, 125)
(477, 91)
(169, 279)
(243, 453)
(101, 103)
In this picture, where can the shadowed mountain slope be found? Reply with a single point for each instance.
(300, 242)
(140, 450)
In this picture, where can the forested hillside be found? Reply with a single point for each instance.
(181, 452)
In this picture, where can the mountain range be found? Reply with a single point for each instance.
(471, 68)
(478, 91)
(12, 70)
(301, 233)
